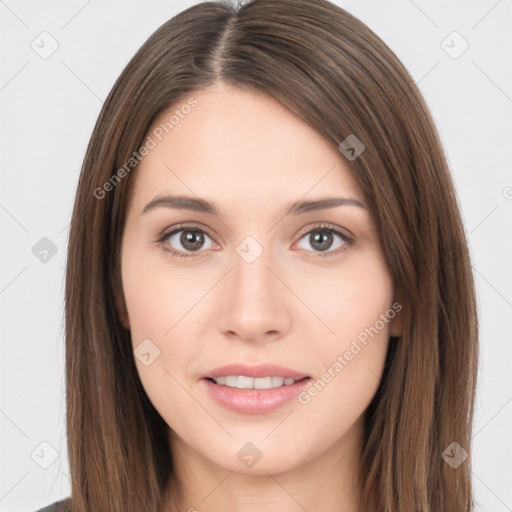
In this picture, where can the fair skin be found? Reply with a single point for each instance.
(292, 307)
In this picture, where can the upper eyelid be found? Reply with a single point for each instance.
(176, 229)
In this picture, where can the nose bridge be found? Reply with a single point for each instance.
(252, 302)
(252, 280)
(251, 276)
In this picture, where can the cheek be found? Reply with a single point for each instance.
(357, 306)
(352, 300)
(164, 306)
(155, 306)
(153, 299)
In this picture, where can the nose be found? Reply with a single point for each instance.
(254, 300)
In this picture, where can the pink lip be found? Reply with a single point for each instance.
(253, 401)
(262, 370)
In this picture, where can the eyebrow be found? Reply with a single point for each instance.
(201, 205)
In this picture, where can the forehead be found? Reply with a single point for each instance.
(233, 144)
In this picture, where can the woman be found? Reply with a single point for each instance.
(269, 297)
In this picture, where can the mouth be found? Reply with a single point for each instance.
(246, 382)
(250, 396)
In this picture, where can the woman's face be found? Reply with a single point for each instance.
(260, 277)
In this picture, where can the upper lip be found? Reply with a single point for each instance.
(262, 370)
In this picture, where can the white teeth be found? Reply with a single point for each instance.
(277, 381)
(243, 382)
(231, 381)
(263, 383)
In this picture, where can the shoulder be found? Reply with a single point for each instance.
(58, 506)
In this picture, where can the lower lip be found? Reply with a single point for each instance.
(254, 401)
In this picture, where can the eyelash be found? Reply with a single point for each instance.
(348, 240)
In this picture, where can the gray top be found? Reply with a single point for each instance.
(58, 506)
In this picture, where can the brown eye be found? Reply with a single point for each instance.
(326, 239)
(321, 240)
(186, 240)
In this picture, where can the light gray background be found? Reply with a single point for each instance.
(48, 109)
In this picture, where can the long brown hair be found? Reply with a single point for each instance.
(337, 75)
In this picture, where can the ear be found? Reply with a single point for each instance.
(116, 284)
(396, 324)
(122, 311)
